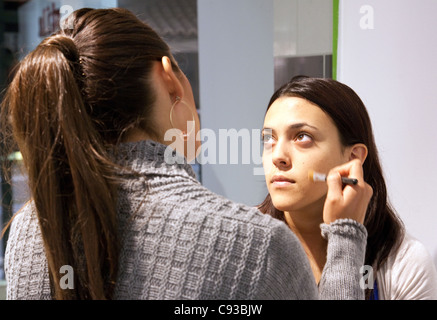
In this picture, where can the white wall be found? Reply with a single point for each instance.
(390, 61)
(236, 82)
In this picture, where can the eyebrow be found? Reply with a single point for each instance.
(294, 126)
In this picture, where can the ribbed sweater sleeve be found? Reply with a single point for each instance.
(346, 252)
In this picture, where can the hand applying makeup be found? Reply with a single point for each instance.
(350, 201)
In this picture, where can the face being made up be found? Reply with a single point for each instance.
(299, 136)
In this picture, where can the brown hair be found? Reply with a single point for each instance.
(72, 97)
(343, 105)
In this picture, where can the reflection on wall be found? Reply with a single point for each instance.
(176, 22)
(319, 66)
(303, 39)
(303, 27)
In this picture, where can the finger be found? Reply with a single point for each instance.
(351, 169)
(356, 170)
(333, 208)
(335, 186)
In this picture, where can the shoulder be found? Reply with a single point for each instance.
(412, 255)
(411, 247)
(24, 230)
(286, 272)
(234, 249)
(237, 222)
(199, 203)
(25, 261)
(22, 220)
(409, 273)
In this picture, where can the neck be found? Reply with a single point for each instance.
(306, 221)
(135, 135)
(306, 226)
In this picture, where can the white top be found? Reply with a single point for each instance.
(409, 274)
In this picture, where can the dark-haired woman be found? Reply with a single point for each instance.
(113, 213)
(313, 125)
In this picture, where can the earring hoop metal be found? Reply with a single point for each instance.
(177, 100)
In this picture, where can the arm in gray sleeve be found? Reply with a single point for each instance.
(286, 272)
(347, 241)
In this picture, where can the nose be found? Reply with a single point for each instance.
(281, 157)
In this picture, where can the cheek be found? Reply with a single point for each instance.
(302, 196)
(326, 159)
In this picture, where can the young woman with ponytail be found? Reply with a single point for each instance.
(89, 109)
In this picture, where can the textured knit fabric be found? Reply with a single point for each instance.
(341, 235)
(181, 241)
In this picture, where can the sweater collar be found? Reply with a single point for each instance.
(148, 156)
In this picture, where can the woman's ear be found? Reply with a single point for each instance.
(171, 80)
(358, 151)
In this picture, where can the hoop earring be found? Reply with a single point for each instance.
(184, 134)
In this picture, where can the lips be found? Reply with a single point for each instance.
(282, 180)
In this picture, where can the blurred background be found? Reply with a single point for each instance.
(237, 52)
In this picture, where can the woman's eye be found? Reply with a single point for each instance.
(267, 139)
(303, 137)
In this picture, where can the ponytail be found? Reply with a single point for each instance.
(75, 95)
(68, 169)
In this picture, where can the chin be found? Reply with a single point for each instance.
(288, 203)
(282, 205)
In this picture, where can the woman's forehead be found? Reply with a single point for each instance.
(291, 110)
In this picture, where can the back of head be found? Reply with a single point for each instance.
(76, 94)
(116, 52)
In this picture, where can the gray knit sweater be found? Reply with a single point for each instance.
(181, 241)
